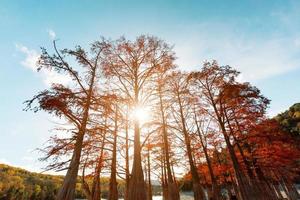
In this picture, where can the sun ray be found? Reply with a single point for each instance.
(141, 114)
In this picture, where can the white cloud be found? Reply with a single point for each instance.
(51, 34)
(31, 57)
(256, 58)
(49, 76)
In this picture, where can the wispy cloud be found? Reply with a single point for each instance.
(252, 47)
(31, 57)
(255, 58)
(51, 77)
(30, 61)
(51, 34)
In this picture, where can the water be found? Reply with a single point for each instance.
(186, 196)
(182, 197)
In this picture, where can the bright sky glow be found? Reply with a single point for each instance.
(141, 114)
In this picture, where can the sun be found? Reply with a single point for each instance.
(141, 114)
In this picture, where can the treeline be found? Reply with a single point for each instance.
(20, 184)
(204, 121)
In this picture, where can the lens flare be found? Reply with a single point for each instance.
(141, 114)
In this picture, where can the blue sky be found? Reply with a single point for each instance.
(259, 38)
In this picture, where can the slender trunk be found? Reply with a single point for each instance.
(214, 189)
(269, 192)
(95, 192)
(172, 185)
(85, 187)
(283, 186)
(292, 192)
(254, 187)
(259, 186)
(113, 185)
(96, 189)
(162, 179)
(234, 186)
(165, 178)
(247, 163)
(164, 175)
(173, 172)
(242, 183)
(241, 180)
(127, 160)
(197, 187)
(149, 176)
(277, 189)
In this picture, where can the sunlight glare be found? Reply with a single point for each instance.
(141, 114)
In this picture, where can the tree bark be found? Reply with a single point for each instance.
(172, 185)
(113, 185)
(67, 191)
(96, 190)
(163, 176)
(291, 191)
(214, 189)
(260, 187)
(242, 183)
(149, 176)
(137, 186)
(127, 159)
(197, 187)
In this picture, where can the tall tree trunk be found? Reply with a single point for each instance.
(276, 186)
(137, 186)
(95, 192)
(269, 192)
(229, 187)
(85, 186)
(96, 189)
(113, 185)
(234, 185)
(253, 186)
(260, 186)
(291, 191)
(172, 185)
(173, 172)
(149, 176)
(241, 180)
(127, 159)
(67, 191)
(197, 187)
(164, 177)
(214, 189)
